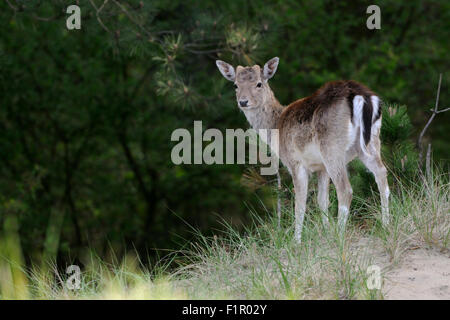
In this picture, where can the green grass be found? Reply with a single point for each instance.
(263, 262)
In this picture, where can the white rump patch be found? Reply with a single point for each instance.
(375, 105)
(358, 104)
(376, 126)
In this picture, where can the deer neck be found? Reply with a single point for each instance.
(266, 116)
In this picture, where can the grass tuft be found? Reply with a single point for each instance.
(262, 262)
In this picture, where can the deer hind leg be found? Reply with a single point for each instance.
(300, 179)
(323, 194)
(372, 160)
(376, 166)
(338, 174)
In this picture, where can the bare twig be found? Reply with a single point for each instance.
(124, 10)
(205, 51)
(11, 6)
(434, 111)
(443, 110)
(97, 14)
(102, 6)
(26, 10)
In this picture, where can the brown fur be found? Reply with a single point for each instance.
(325, 97)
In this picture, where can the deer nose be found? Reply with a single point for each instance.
(243, 103)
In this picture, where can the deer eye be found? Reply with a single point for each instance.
(259, 85)
(235, 86)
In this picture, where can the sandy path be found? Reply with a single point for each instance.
(422, 274)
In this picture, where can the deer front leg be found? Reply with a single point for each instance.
(300, 178)
(323, 194)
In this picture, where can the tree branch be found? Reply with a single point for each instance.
(435, 112)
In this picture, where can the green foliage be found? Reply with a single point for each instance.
(396, 126)
(398, 149)
(266, 262)
(398, 153)
(86, 115)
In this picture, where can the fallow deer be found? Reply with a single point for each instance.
(321, 133)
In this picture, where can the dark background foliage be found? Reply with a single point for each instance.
(86, 115)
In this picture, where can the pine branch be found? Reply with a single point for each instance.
(97, 14)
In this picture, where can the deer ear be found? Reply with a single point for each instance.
(270, 68)
(226, 70)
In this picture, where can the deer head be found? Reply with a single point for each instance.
(251, 83)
